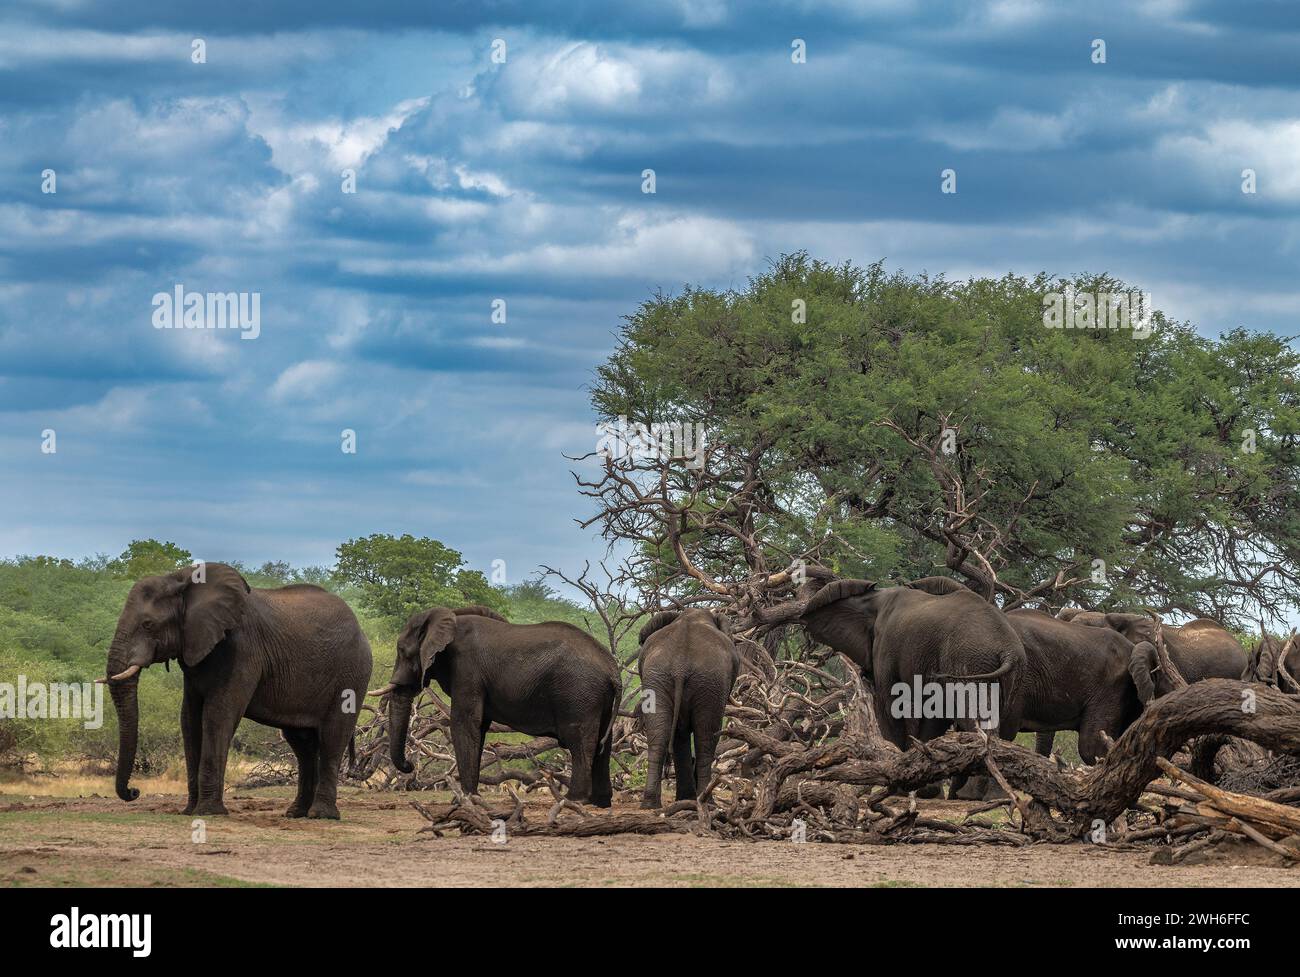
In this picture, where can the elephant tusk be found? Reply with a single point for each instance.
(384, 691)
(120, 676)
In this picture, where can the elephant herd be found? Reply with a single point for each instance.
(295, 658)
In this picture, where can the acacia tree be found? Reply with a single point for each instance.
(888, 426)
(398, 575)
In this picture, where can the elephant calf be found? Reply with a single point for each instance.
(548, 679)
(688, 664)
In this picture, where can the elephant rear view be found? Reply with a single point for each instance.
(688, 664)
(548, 679)
(931, 631)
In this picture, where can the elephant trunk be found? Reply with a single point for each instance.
(1265, 668)
(128, 722)
(399, 721)
(1140, 666)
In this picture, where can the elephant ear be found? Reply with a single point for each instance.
(832, 619)
(439, 632)
(660, 620)
(1123, 622)
(478, 610)
(215, 596)
(939, 586)
(1141, 664)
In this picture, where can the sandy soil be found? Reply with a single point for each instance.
(98, 840)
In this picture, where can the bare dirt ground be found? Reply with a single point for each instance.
(95, 839)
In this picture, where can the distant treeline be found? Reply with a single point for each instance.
(57, 618)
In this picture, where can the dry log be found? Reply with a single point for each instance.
(1238, 805)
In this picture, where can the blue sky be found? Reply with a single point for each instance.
(522, 181)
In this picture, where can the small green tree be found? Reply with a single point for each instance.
(149, 557)
(398, 575)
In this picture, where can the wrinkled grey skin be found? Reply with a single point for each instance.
(548, 679)
(896, 633)
(690, 663)
(1201, 649)
(1265, 665)
(1080, 678)
(967, 788)
(293, 658)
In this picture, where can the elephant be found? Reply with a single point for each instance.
(548, 679)
(1267, 665)
(1200, 649)
(907, 636)
(1081, 678)
(689, 662)
(293, 658)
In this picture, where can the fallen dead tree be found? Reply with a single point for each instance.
(854, 787)
(1225, 812)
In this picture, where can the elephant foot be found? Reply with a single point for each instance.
(295, 810)
(651, 804)
(322, 810)
(209, 808)
(602, 801)
(929, 792)
(188, 809)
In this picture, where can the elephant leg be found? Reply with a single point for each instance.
(1091, 745)
(602, 791)
(192, 736)
(1043, 742)
(306, 746)
(467, 741)
(333, 737)
(218, 723)
(925, 730)
(706, 747)
(581, 742)
(657, 734)
(683, 763)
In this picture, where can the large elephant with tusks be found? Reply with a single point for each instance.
(294, 658)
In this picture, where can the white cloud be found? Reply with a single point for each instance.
(305, 380)
(615, 79)
(1225, 147)
(672, 250)
(298, 147)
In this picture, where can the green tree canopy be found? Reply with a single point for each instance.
(890, 425)
(400, 575)
(149, 557)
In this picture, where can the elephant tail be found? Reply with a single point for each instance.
(676, 704)
(1003, 670)
(606, 738)
(352, 750)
